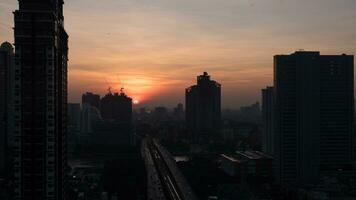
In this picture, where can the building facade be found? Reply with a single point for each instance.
(6, 71)
(203, 107)
(313, 115)
(40, 100)
(267, 119)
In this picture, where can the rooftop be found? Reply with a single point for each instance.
(253, 155)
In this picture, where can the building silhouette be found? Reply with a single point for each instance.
(267, 119)
(91, 99)
(116, 107)
(40, 100)
(203, 108)
(88, 116)
(178, 112)
(6, 71)
(313, 115)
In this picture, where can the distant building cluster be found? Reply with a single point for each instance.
(99, 121)
(112, 107)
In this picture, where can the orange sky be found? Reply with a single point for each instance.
(156, 48)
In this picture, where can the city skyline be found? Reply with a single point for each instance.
(156, 48)
(263, 95)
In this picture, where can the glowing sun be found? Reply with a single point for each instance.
(135, 101)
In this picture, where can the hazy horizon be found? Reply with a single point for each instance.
(155, 49)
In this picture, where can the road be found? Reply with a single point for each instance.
(172, 183)
(154, 187)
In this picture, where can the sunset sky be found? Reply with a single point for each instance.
(156, 48)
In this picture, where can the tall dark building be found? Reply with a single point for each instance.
(117, 107)
(203, 107)
(268, 120)
(6, 69)
(313, 115)
(40, 100)
(91, 99)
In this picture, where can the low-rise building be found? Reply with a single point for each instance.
(248, 165)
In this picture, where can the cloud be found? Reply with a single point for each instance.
(158, 47)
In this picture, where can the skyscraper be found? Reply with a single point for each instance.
(40, 100)
(267, 117)
(6, 67)
(313, 114)
(203, 107)
(91, 99)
